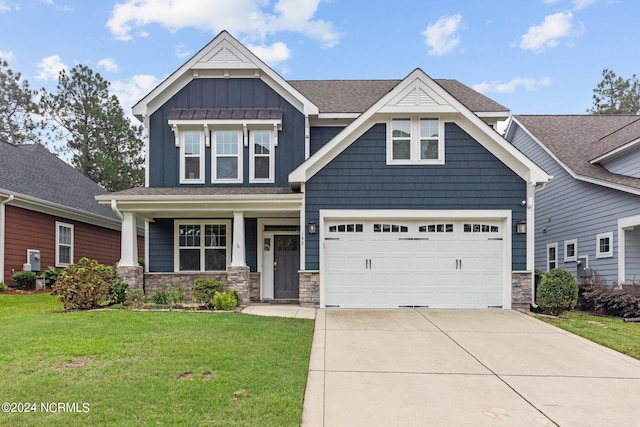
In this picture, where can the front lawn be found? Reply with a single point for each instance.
(118, 367)
(608, 331)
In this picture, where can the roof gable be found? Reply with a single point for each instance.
(223, 57)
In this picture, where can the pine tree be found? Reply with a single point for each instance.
(615, 95)
(17, 108)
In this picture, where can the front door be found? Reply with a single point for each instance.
(285, 267)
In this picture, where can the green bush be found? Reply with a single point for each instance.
(24, 280)
(160, 298)
(134, 298)
(557, 292)
(205, 289)
(51, 274)
(3, 287)
(225, 300)
(84, 285)
(176, 295)
(118, 291)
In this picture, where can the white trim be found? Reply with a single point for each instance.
(609, 253)
(202, 247)
(573, 242)
(261, 235)
(70, 226)
(271, 156)
(624, 224)
(3, 227)
(238, 252)
(617, 152)
(415, 139)
(180, 136)
(239, 155)
(553, 245)
(503, 215)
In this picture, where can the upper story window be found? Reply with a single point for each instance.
(227, 156)
(192, 157)
(570, 250)
(415, 140)
(604, 245)
(261, 156)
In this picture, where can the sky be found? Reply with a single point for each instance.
(532, 56)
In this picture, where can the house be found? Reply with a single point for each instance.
(46, 206)
(363, 193)
(588, 216)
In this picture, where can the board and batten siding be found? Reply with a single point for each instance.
(629, 164)
(164, 156)
(569, 209)
(471, 178)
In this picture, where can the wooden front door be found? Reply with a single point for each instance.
(286, 266)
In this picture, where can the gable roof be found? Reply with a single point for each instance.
(575, 140)
(418, 93)
(356, 96)
(39, 180)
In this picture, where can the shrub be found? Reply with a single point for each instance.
(598, 296)
(24, 280)
(51, 274)
(84, 285)
(134, 298)
(118, 291)
(175, 295)
(3, 287)
(557, 292)
(205, 289)
(160, 298)
(225, 300)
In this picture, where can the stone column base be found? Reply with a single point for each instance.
(238, 279)
(132, 276)
(521, 290)
(309, 288)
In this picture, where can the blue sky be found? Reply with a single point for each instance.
(533, 56)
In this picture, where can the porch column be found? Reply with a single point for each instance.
(238, 258)
(128, 241)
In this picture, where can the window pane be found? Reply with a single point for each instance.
(227, 168)
(64, 254)
(215, 235)
(428, 149)
(261, 169)
(64, 235)
(190, 259)
(192, 143)
(401, 128)
(401, 150)
(552, 254)
(262, 142)
(570, 250)
(429, 128)
(192, 168)
(604, 245)
(227, 142)
(189, 235)
(215, 259)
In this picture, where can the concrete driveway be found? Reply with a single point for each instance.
(420, 367)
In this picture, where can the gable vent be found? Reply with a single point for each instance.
(416, 97)
(225, 56)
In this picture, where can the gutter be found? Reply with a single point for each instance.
(2, 234)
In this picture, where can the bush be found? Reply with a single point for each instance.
(51, 274)
(170, 296)
(118, 291)
(225, 300)
(134, 298)
(160, 298)
(24, 280)
(557, 292)
(205, 289)
(84, 285)
(3, 287)
(598, 296)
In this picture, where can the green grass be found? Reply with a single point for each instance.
(151, 368)
(610, 332)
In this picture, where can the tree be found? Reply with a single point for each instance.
(615, 95)
(17, 108)
(90, 125)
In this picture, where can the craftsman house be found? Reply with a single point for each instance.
(383, 193)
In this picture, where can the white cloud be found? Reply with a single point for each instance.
(274, 54)
(441, 37)
(182, 51)
(581, 4)
(108, 65)
(529, 83)
(251, 19)
(4, 6)
(131, 91)
(49, 68)
(547, 35)
(7, 56)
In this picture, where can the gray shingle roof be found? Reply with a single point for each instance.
(33, 171)
(356, 96)
(577, 139)
(226, 114)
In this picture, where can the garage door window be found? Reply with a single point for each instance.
(390, 228)
(436, 228)
(481, 228)
(346, 228)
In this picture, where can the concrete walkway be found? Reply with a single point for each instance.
(413, 367)
(280, 310)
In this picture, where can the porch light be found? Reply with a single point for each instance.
(521, 227)
(312, 227)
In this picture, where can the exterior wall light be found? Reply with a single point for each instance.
(312, 227)
(521, 227)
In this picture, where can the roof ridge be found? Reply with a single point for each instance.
(620, 128)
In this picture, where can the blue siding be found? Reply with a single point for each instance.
(319, 136)
(160, 246)
(224, 93)
(251, 242)
(629, 164)
(359, 178)
(570, 209)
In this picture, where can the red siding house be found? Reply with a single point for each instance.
(47, 206)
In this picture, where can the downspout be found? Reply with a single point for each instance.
(114, 208)
(2, 230)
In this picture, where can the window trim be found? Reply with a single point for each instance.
(58, 244)
(549, 261)
(214, 156)
(252, 157)
(573, 242)
(202, 247)
(609, 253)
(183, 157)
(415, 141)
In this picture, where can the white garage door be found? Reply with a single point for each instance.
(387, 263)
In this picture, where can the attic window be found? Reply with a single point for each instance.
(415, 140)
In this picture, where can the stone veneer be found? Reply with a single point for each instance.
(238, 279)
(309, 288)
(154, 282)
(132, 276)
(254, 283)
(521, 288)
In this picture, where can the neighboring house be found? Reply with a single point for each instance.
(590, 211)
(47, 206)
(362, 193)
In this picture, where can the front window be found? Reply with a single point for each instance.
(64, 244)
(202, 246)
(262, 155)
(570, 250)
(604, 245)
(227, 159)
(552, 256)
(415, 140)
(191, 159)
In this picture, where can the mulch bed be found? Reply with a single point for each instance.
(13, 291)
